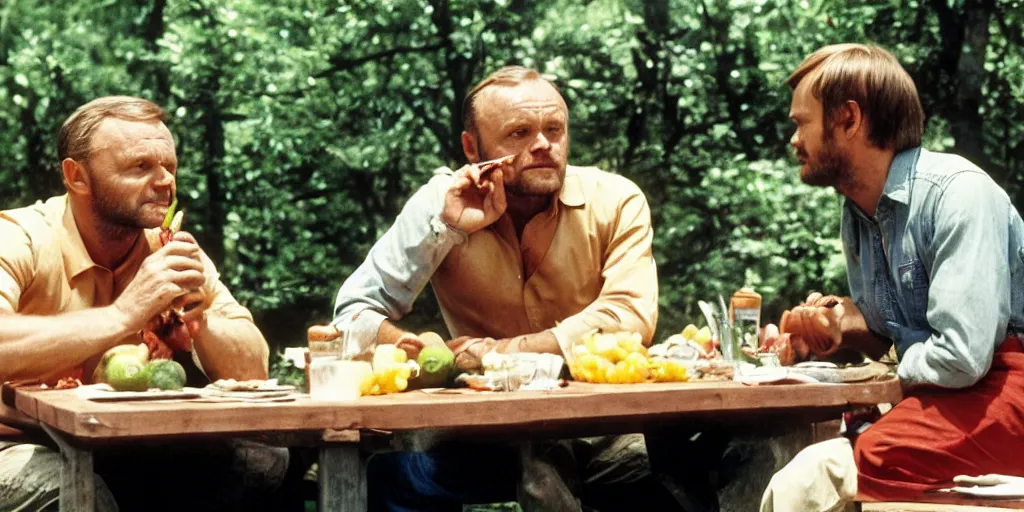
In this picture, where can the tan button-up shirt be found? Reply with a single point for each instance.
(45, 268)
(584, 263)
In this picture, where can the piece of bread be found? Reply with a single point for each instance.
(323, 333)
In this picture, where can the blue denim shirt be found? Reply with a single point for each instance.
(938, 268)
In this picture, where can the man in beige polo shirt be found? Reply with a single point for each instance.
(526, 258)
(83, 272)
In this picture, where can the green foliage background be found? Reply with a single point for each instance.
(303, 125)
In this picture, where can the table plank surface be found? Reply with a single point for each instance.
(578, 402)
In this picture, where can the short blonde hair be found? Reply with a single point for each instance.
(508, 75)
(874, 79)
(76, 132)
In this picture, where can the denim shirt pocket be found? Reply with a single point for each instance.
(1017, 278)
(914, 291)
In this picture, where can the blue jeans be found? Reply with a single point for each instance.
(442, 479)
(608, 473)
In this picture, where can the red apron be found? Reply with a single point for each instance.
(934, 435)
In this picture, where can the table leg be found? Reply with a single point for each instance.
(342, 478)
(77, 483)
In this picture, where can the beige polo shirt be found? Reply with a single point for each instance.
(584, 263)
(45, 268)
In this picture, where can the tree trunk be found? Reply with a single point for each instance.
(212, 121)
(460, 71)
(968, 125)
(213, 125)
(154, 31)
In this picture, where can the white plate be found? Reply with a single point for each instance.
(1004, 491)
(104, 393)
(755, 376)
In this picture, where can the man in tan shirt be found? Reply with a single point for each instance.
(86, 271)
(525, 258)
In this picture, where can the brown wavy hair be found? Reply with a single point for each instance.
(874, 79)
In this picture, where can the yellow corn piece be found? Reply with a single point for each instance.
(668, 370)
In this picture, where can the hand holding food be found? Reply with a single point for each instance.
(817, 326)
(814, 327)
(173, 328)
(171, 272)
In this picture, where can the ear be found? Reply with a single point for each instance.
(470, 147)
(850, 120)
(76, 178)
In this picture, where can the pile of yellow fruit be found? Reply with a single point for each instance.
(621, 358)
(391, 371)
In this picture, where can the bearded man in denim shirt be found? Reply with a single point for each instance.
(934, 256)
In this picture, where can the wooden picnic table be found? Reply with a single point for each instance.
(80, 425)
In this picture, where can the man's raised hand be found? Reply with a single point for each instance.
(476, 198)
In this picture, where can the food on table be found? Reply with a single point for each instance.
(165, 374)
(668, 370)
(480, 382)
(690, 331)
(703, 338)
(783, 345)
(804, 330)
(436, 364)
(527, 371)
(691, 343)
(391, 370)
(245, 385)
(322, 333)
(66, 383)
(495, 361)
(614, 347)
(129, 368)
(139, 352)
(620, 358)
(125, 372)
(367, 382)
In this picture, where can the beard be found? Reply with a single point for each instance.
(831, 168)
(527, 184)
(117, 215)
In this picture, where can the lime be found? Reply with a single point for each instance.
(140, 352)
(436, 363)
(165, 374)
(125, 372)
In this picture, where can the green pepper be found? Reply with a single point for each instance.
(170, 213)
